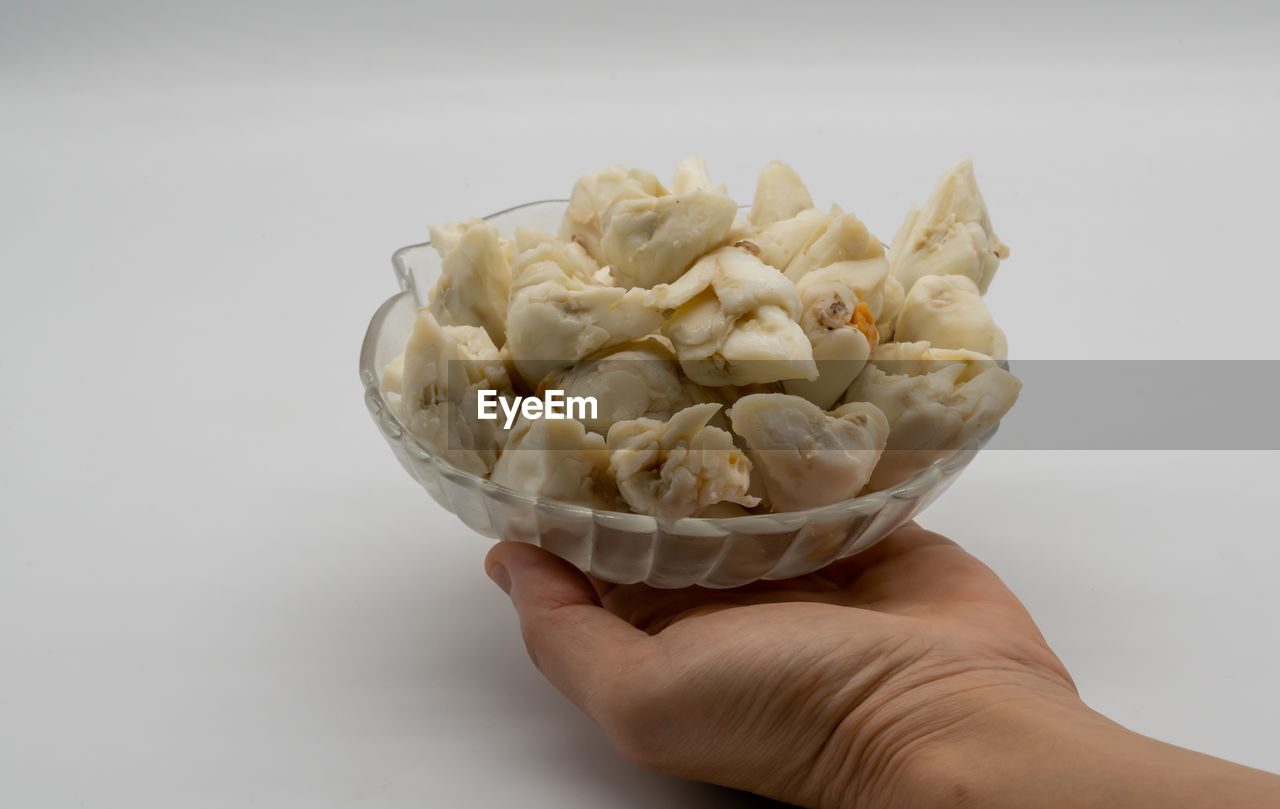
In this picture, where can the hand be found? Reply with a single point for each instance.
(843, 687)
(907, 676)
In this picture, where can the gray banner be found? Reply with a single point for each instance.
(1063, 404)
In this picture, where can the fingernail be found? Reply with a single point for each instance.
(500, 577)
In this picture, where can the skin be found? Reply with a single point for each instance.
(907, 676)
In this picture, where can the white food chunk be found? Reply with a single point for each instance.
(591, 197)
(950, 235)
(572, 257)
(733, 321)
(475, 277)
(740, 231)
(839, 355)
(865, 279)
(557, 459)
(762, 346)
(780, 194)
(806, 456)
(651, 240)
(843, 238)
(393, 375)
(444, 368)
(934, 412)
(629, 381)
(839, 325)
(723, 509)
(922, 357)
(679, 467)
(893, 296)
(560, 313)
(691, 175)
(781, 242)
(445, 238)
(948, 311)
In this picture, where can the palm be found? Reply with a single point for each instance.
(913, 580)
(870, 639)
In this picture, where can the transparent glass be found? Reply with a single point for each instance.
(625, 548)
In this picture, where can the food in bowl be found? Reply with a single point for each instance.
(721, 364)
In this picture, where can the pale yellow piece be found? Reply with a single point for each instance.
(949, 235)
(946, 405)
(740, 231)
(592, 195)
(844, 238)
(629, 381)
(948, 311)
(691, 175)
(841, 344)
(571, 256)
(650, 240)
(679, 467)
(557, 459)
(893, 296)
(865, 279)
(733, 321)
(808, 457)
(921, 357)
(444, 368)
(780, 194)
(393, 375)
(559, 311)
(781, 242)
(475, 278)
(445, 238)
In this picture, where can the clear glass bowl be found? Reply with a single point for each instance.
(625, 548)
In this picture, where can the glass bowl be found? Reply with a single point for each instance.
(715, 552)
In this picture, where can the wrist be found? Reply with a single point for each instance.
(1057, 753)
(1014, 752)
(944, 742)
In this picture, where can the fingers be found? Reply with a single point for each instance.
(580, 647)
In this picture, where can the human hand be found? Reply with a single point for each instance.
(861, 684)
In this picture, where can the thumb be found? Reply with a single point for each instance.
(578, 645)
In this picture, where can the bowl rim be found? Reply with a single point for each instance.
(394, 430)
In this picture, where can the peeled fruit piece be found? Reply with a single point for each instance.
(653, 240)
(952, 400)
(732, 321)
(841, 330)
(808, 457)
(557, 459)
(782, 241)
(475, 278)
(560, 314)
(949, 235)
(844, 238)
(629, 381)
(592, 195)
(444, 368)
(780, 194)
(948, 311)
(679, 467)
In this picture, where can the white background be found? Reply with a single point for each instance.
(217, 587)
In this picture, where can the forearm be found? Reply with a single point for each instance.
(1064, 757)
